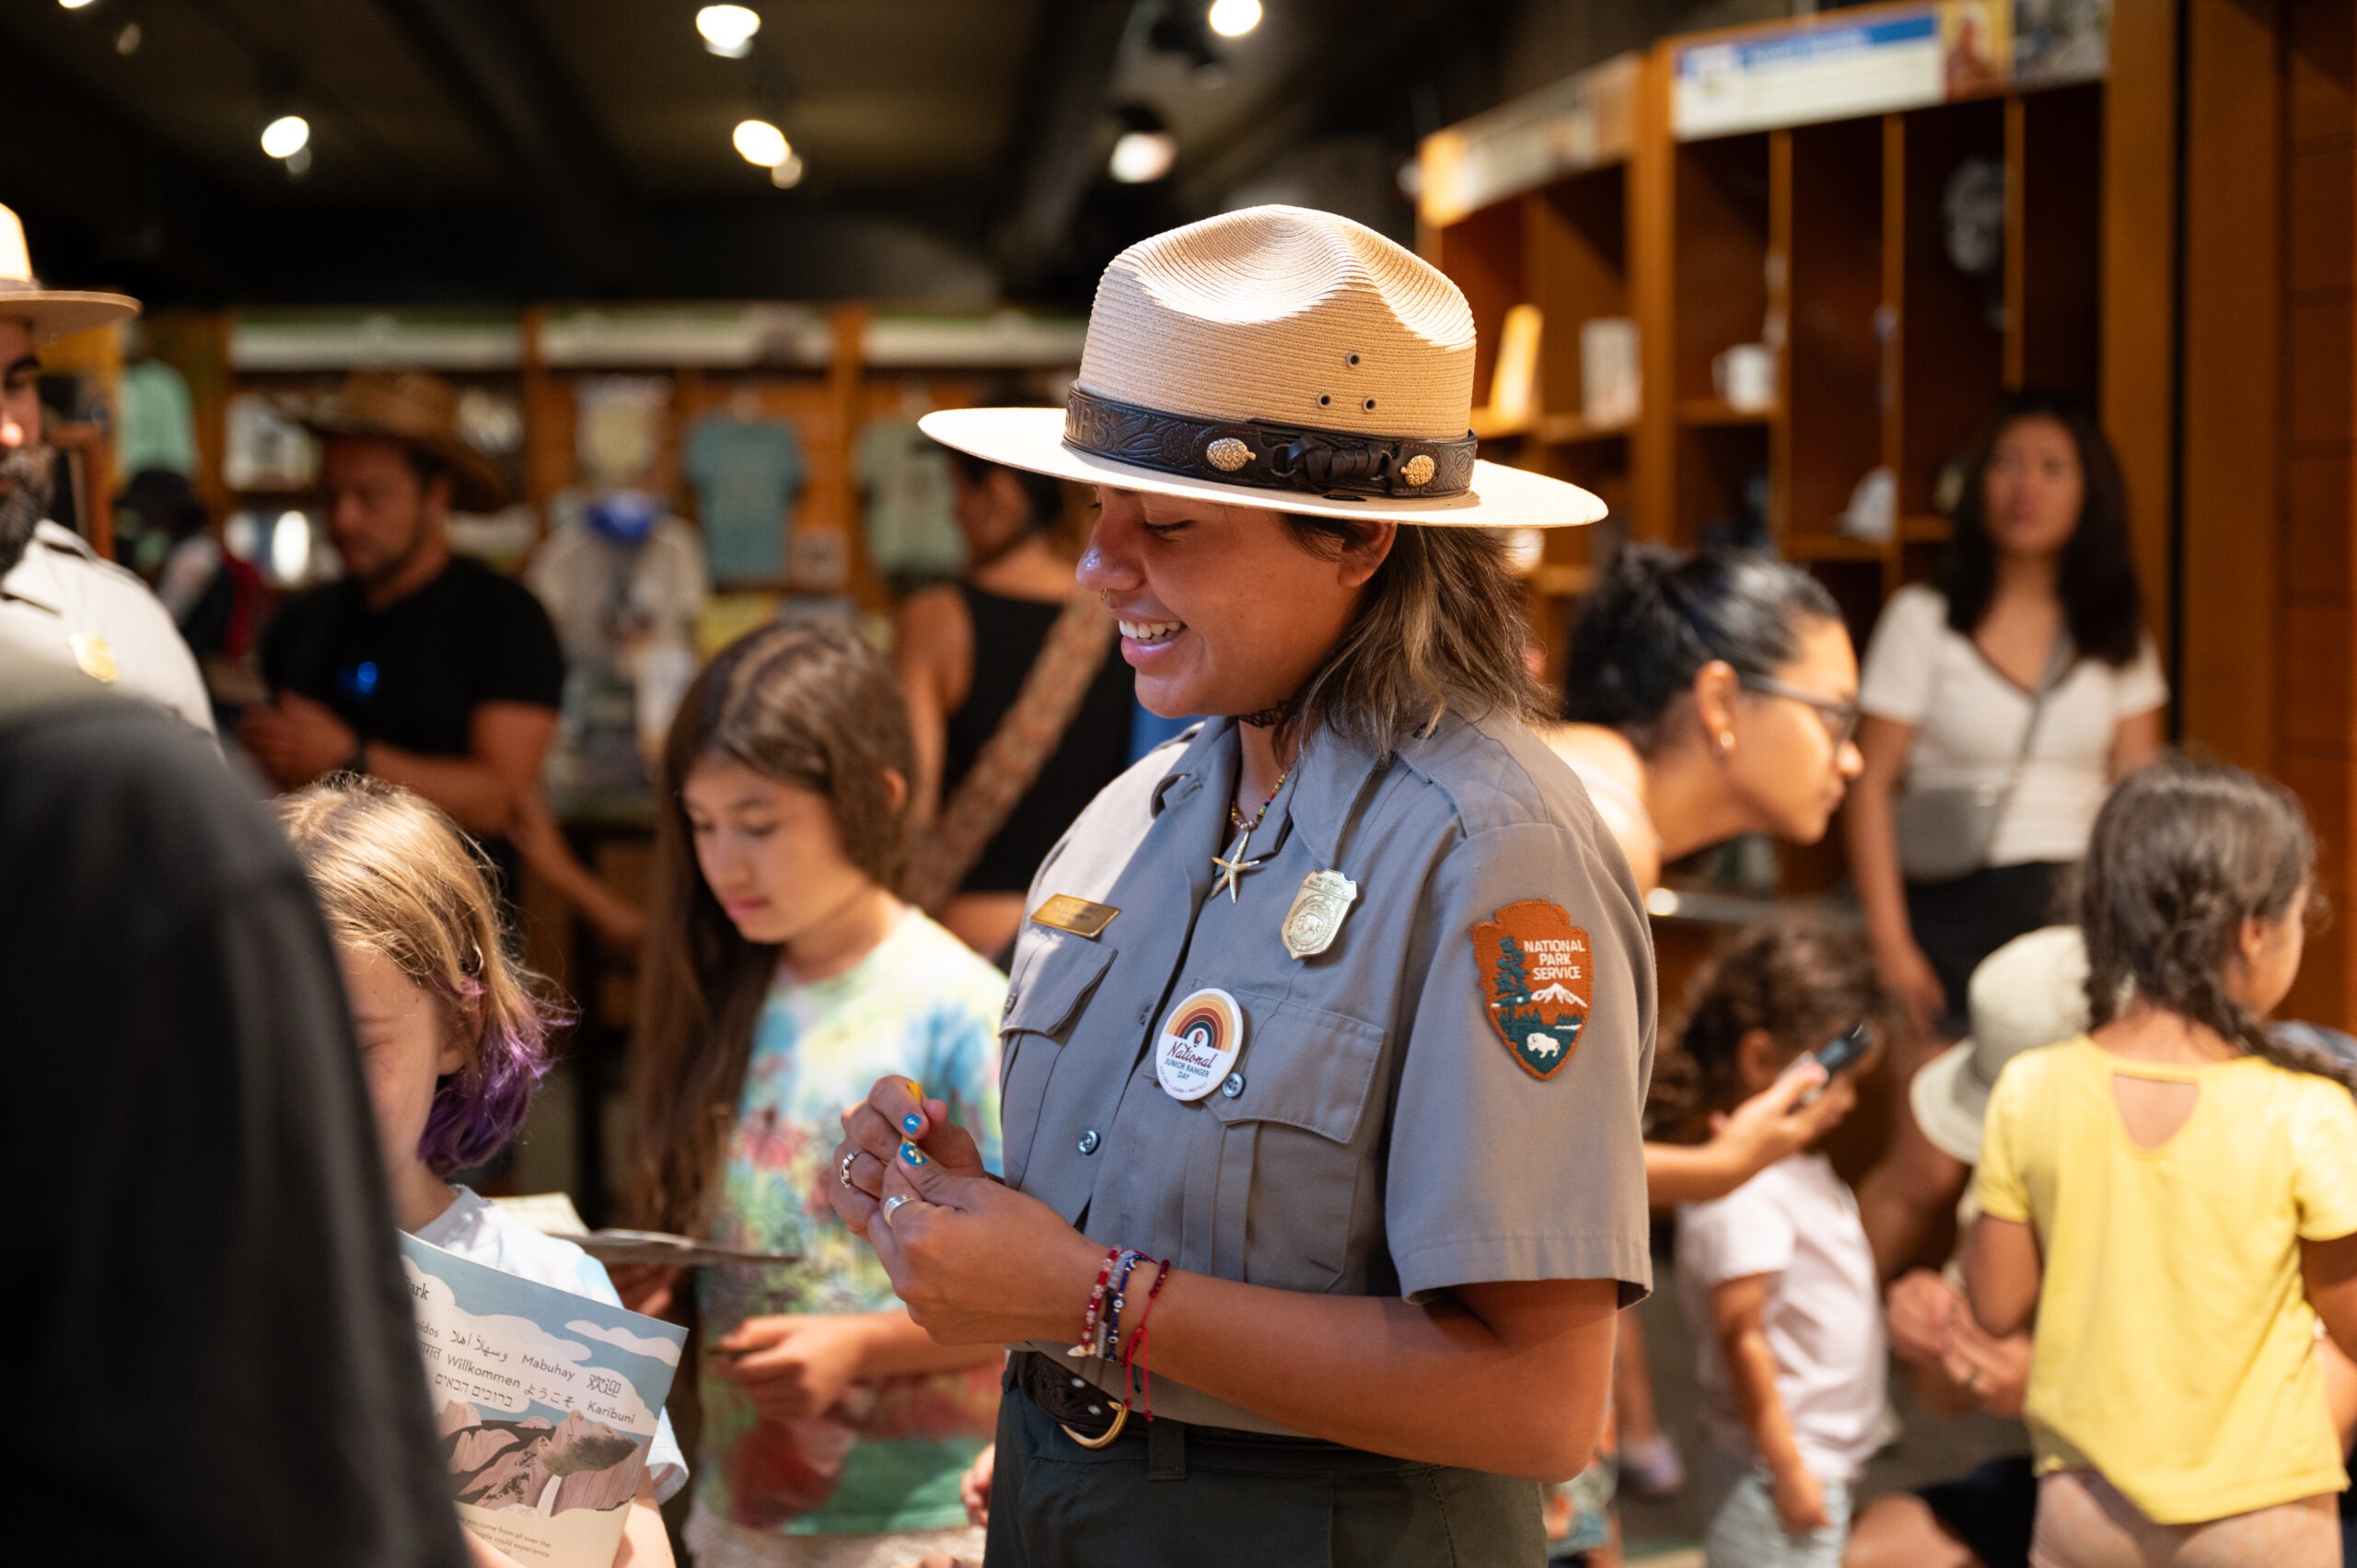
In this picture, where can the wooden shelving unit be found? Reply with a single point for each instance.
(1688, 189)
(1716, 222)
(1532, 203)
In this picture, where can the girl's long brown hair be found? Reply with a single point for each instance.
(809, 706)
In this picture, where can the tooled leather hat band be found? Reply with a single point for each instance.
(1269, 456)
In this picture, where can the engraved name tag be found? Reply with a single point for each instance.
(1064, 912)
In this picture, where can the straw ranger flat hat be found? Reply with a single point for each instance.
(2030, 993)
(416, 410)
(1276, 357)
(49, 312)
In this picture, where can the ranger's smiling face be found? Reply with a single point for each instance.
(1221, 609)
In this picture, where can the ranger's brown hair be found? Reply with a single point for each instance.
(1439, 625)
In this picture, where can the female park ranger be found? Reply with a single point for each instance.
(1331, 1020)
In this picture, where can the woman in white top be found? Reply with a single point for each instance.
(2039, 590)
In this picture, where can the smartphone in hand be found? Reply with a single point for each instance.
(1840, 1055)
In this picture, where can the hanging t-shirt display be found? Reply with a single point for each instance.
(622, 581)
(746, 473)
(911, 530)
(157, 430)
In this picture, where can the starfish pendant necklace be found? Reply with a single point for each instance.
(1233, 865)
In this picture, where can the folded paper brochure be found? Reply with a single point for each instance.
(546, 1403)
(552, 1213)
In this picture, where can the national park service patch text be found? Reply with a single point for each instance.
(1537, 982)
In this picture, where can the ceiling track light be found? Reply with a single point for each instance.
(761, 144)
(1234, 18)
(287, 136)
(1146, 149)
(727, 31)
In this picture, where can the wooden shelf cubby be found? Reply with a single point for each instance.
(1825, 239)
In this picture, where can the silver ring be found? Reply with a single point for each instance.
(843, 1169)
(894, 1202)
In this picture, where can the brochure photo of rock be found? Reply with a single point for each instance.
(539, 1469)
(545, 1403)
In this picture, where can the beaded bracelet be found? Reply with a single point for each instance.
(1115, 1300)
(1139, 1349)
(1086, 1344)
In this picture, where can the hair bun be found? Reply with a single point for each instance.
(1659, 615)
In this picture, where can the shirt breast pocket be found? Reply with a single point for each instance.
(1292, 1205)
(1054, 978)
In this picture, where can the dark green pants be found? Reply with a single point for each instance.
(1181, 1499)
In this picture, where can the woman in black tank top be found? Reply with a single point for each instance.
(964, 651)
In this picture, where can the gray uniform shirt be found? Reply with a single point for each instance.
(1378, 1135)
(65, 604)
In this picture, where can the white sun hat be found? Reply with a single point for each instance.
(49, 312)
(1276, 357)
(2030, 993)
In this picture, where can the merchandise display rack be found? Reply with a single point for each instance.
(828, 370)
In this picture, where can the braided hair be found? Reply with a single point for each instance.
(2182, 855)
(1659, 616)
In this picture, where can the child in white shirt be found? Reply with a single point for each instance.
(1776, 1278)
(452, 1043)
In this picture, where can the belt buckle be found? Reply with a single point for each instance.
(1040, 1375)
(1120, 1420)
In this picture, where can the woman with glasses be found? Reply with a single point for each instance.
(1709, 696)
(2001, 706)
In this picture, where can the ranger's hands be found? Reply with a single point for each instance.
(895, 1112)
(977, 1263)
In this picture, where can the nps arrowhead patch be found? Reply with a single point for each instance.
(1538, 980)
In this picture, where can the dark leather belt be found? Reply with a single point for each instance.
(1088, 1413)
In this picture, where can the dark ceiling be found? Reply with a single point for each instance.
(503, 150)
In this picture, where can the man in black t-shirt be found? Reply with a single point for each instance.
(424, 668)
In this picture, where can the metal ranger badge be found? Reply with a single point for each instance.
(1538, 980)
(1317, 914)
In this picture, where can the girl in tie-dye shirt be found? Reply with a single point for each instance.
(786, 978)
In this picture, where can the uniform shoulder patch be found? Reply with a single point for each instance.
(1537, 982)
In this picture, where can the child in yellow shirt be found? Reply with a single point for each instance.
(2175, 1198)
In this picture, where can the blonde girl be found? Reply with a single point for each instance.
(453, 1039)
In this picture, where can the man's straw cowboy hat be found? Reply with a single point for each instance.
(416, 410)
(1282, 358)
(49, 312)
